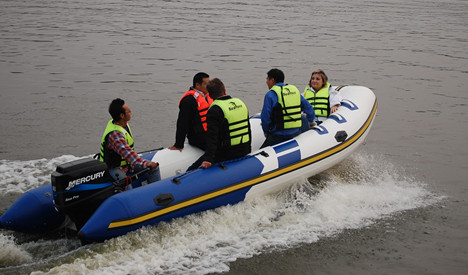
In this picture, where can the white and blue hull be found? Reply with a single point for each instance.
(264, 171)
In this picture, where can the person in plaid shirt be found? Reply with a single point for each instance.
(117, 145)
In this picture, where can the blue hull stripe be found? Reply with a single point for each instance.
(85, 187)
(289, 158)
(285, 146)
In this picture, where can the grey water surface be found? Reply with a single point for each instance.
(62, 62)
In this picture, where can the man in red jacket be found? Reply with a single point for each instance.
(193, 106)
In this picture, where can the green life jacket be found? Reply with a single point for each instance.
(320, 100)
(110, 156)
(287, 114)
(237, 116)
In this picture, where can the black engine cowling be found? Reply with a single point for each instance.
(79, 188)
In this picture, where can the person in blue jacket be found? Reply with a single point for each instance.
(282, 110)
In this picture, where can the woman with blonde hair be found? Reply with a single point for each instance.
(321, 95)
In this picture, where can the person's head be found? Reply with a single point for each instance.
(216, 88)
(318, 80)
(274, 76)
(119, 110)
(200, 80)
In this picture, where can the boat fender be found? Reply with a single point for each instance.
(163, 199)
(341, 136)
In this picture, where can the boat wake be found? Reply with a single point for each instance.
(354, 194)
(18, 176)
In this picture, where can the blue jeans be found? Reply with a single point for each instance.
(273, 139)
(305, 124)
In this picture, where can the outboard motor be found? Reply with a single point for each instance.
(79, 188)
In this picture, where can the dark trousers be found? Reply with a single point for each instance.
(198, 141)
(221, 155)
(196, 164)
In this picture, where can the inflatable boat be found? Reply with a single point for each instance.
(82, 191)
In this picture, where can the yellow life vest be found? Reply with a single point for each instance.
(110, 156)
(320, 100)
(237, 116)
(287, 114)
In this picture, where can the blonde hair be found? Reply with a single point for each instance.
(322, 74)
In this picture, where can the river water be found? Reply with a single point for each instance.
(398, 205)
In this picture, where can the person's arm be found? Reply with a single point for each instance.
(307, 108)
(187, 107)
(120, 146)
(334, 108)
(335, 100)
(269, 102)
(214, 119)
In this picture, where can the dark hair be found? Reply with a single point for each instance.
(116, 108)
(276, 74)
(215, 88)
(198, 78)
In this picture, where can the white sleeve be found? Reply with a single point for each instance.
(335, 97)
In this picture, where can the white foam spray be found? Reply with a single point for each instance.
(352, 195)
(20, 176)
